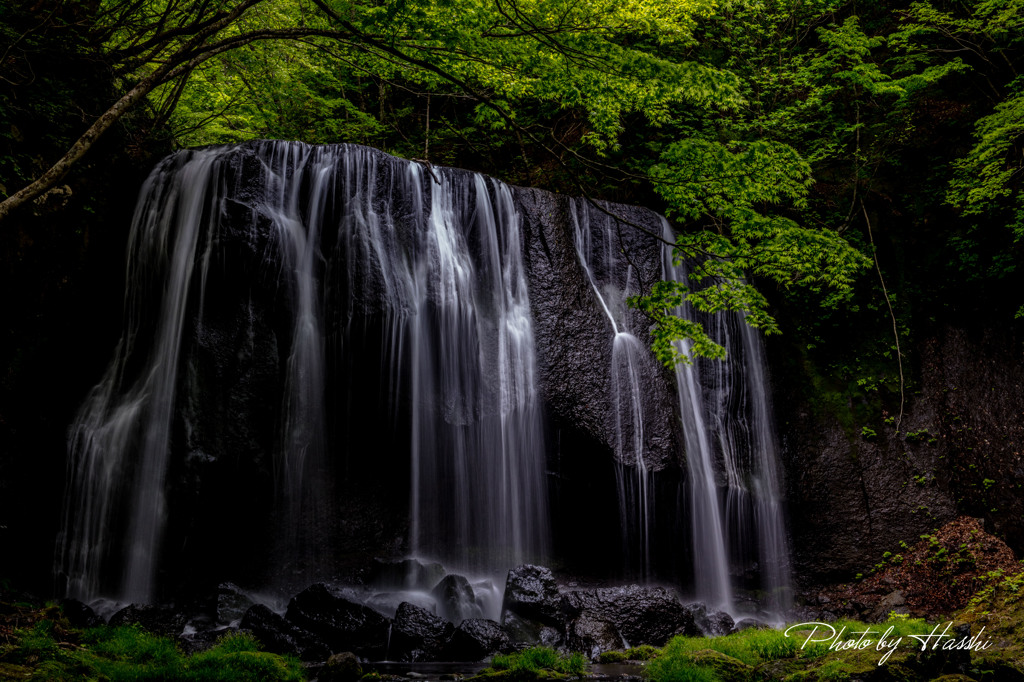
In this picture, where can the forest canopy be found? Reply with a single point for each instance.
(783, 137)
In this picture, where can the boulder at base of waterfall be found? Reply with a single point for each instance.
(591, 635)
(532, 594)
(279, 636)
(526, 632)
(80, 615)
(343, 667)
(417, 634)
(456, 600)
(475, 639)
(640, 615)
(341, 624)
(748, 623)
(713, 623)
(232, 603)
(156, 619)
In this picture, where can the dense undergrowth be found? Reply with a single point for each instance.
(902, 648)
(535, 663)
(49, 649)
(800, 652)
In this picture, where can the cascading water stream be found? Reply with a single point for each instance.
(127, 418)
(634, 481)
(754, 506)
(727, 419)
(712, 582)
(473, 359)
(382, 296)
(438, 260)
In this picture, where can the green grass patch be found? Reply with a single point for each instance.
(741, 655)
(48, 651)
(644, 652)
(536, 663)
(751, 647)
(679, 669)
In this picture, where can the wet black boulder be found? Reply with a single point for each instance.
(341, 624)
(417, 634)
(475, 639)
(282, 637)
(639, 614)
(532, 594)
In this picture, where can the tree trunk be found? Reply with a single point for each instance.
(51, 177)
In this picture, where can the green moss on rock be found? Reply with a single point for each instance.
(726, 668)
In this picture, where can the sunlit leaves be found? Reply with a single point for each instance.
(676, 339)
(702, 177)
(990, 178)
(736, 190)
(576, 55)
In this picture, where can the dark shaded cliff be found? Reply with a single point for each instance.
(856, 493)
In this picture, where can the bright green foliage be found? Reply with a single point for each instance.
(644, 652)
(839, 142)
(988, 179)
(742, 193)
(714, 658)
(679, 669)
(525, 664)
(752, 646)
(986, 183)
(286, 91)
(675, 337)
(507, 54)
(129, 653)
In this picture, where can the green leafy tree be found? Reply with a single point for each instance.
(501, 54)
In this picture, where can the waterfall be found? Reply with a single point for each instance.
(729, 431)
(754, 503)
(600, 259)
(297, 316)
(478, 498)
(343, 234)
(120, 440)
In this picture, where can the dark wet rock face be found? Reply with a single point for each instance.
(591, 635)
(531, 593)
(417, 634)
(456, 600)
(280, 636)
(711, 623)
(639, 614)
(852, 498)
(752, 623)
(341, 624)
(531, 611)
(202, 640)
(343, 667)
(232, 603)
(80, 615)
(574, 336)
(531, 632)
(536, 611)
(163, 621)
(475, 639)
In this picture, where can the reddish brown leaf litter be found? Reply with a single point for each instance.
(933, 577)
